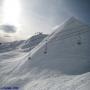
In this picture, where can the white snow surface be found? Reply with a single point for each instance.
(65, 66)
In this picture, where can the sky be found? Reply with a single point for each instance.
(26, 17)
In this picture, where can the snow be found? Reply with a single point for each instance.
(65, 66)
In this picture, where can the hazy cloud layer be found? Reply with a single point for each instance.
(8, 28)
(43, 15)
(1, 1)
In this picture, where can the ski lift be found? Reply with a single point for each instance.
(45, 49)
(79, 42)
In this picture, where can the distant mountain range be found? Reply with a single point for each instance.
(24, 45)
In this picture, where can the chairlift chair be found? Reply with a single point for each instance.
(79, 42)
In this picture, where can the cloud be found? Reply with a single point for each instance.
(1, 1)
(7, 37)
(8, 28)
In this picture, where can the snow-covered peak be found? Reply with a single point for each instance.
(71, 23)
(71, 26)
(33, 41)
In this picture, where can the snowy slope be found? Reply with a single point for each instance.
(60, 62)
